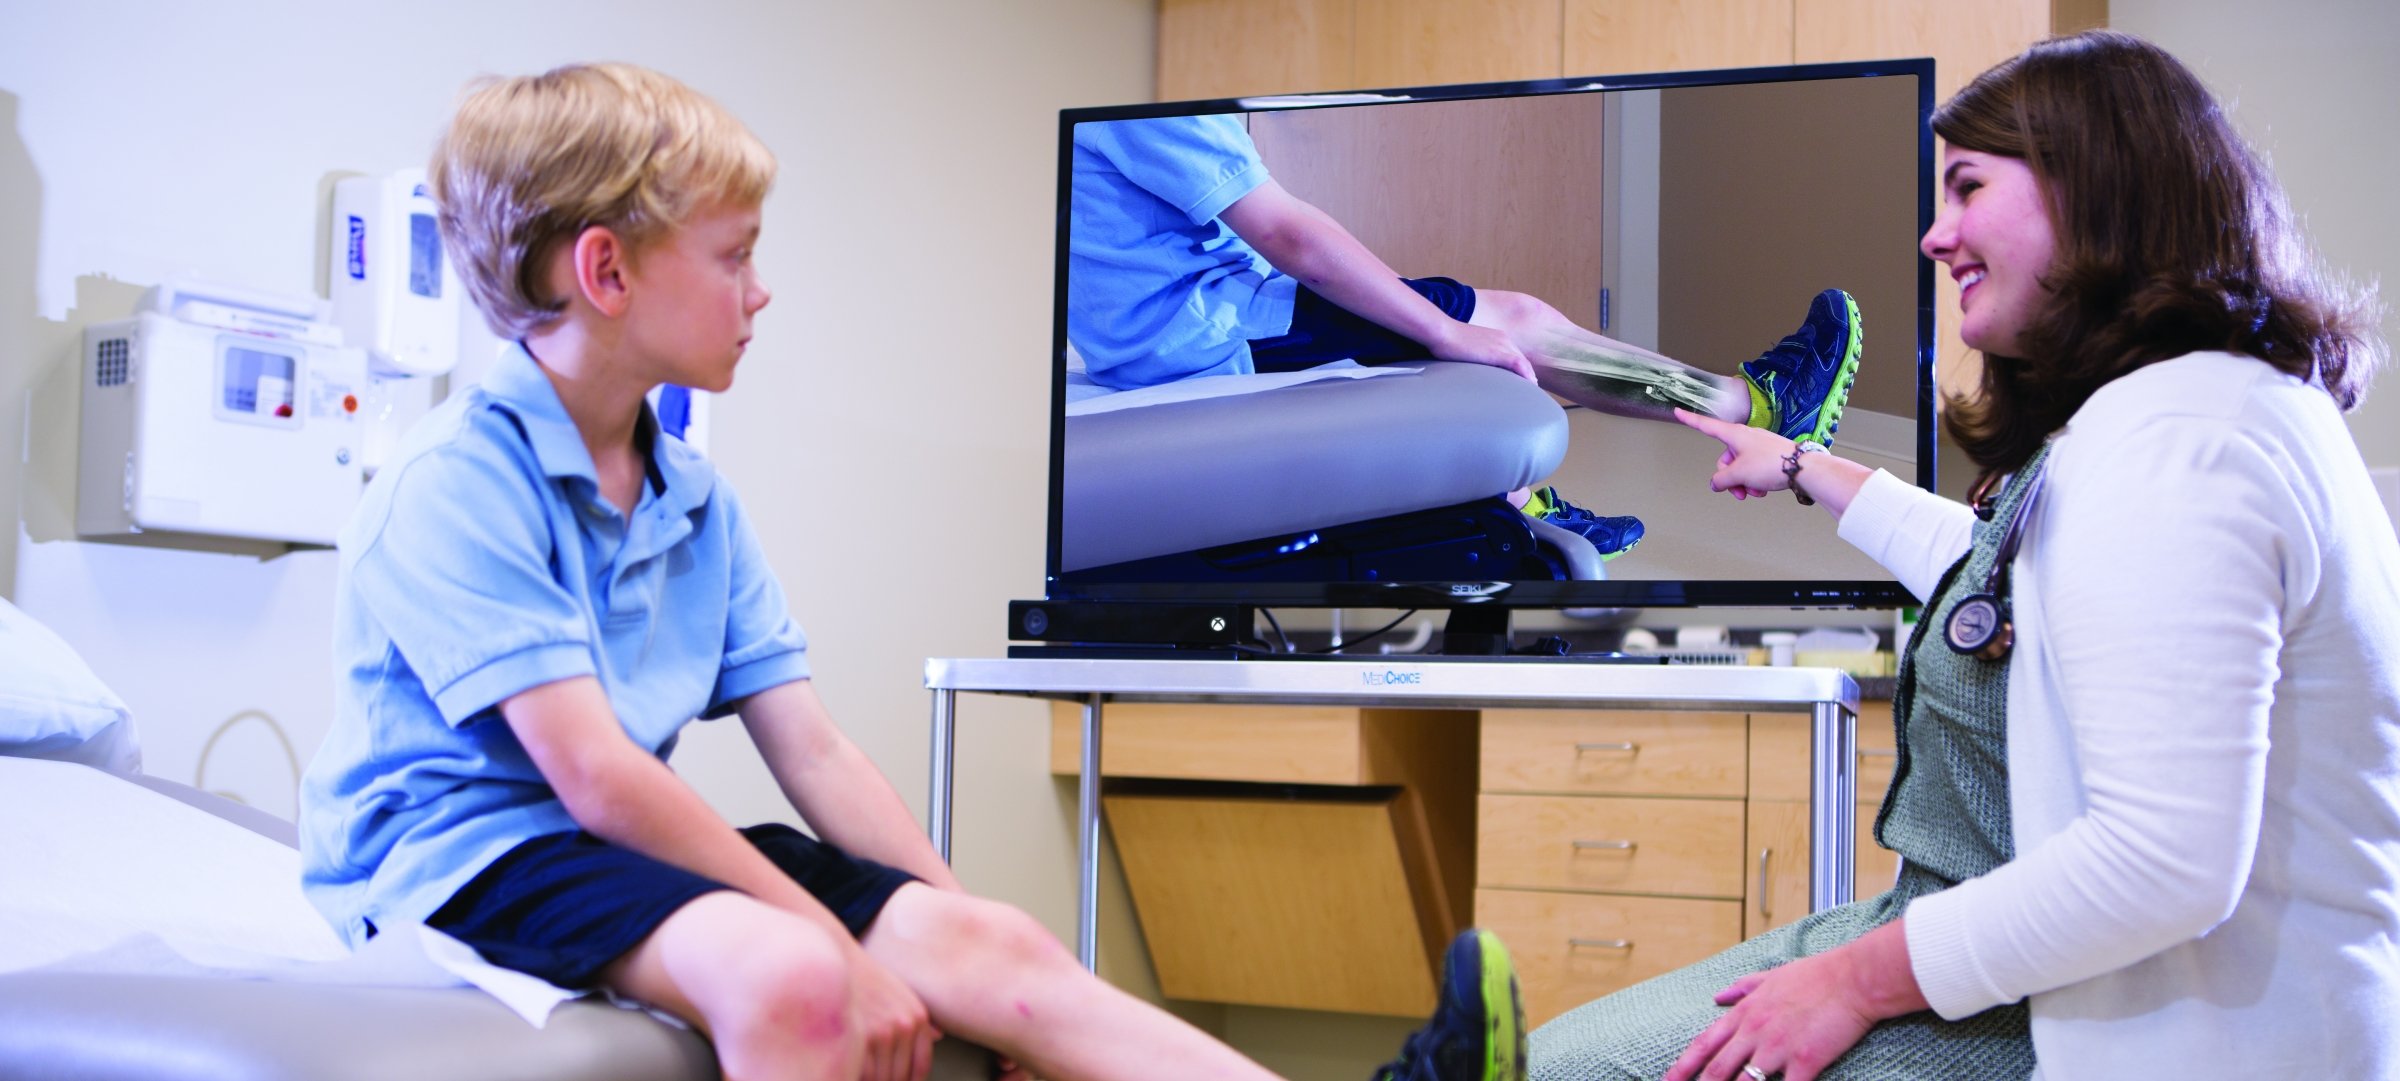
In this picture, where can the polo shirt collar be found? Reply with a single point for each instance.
(521, 387)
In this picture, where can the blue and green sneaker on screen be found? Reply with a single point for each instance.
(1613, 535)
(1477, 1032)
(1798, 388)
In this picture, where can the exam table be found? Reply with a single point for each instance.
(58, 1024)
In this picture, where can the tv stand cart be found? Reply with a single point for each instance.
(1828, 697)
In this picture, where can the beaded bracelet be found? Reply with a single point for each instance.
(1791, 468)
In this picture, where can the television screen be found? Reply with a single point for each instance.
(1224, 429)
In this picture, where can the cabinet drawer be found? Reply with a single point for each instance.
(1614, 752)
(1571, 948)
(1690, 848)
(1332, 745)
(1779, 753)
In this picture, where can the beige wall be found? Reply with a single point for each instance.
(888, 430)
(2311, 82)
(1737, 265)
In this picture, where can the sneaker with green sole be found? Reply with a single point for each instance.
(1613, 534)
(1477, 1031)
(1799, 387)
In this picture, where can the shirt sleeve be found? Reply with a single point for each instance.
(1197, 164)
(1914, 533)
(764, 646)
(2162, 564)
(458, 575)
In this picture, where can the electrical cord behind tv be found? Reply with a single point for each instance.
(1284, 641)
(1370, 635)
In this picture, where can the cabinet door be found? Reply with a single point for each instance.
(1778, 853)
(1625, 37)
(1297, 903)
(1777, 892)
(1433, 42)
(1234, 48)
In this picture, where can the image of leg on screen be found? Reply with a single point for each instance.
(1359, 324)
(1797, 387)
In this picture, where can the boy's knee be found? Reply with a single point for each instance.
(797, 979)
(1000, 935)
(1512, 309)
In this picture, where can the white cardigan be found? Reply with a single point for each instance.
(2203, 740)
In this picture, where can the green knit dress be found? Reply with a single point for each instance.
(1946, 815)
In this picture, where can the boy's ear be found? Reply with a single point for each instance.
(598, 262)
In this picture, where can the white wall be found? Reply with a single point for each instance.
(888, 429)
(2313, 84)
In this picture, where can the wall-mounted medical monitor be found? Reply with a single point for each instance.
(1199, 452)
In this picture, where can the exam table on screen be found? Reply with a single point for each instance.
(1341, 473)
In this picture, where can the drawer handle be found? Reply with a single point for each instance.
(1879, 752)
(1628, 747)
(1765, 912)
(1617, 846)
(1599, 943)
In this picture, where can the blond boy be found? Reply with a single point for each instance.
(541, 589)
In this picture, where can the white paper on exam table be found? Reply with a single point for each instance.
(117, 878)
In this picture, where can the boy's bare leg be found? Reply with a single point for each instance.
(990, 974)
(1602, 373)
(771, 990)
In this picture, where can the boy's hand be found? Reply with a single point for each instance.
(892, 1023)
(1480, 345)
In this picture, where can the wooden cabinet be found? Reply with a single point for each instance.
(1571, 948)
(1320, 857)
(1622, 37)
(1305, 857)
(1234, 48)
(1779, 849)
(1614, 846)
(1269, 900)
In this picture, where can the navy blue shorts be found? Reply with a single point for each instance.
(565, 906)
(1323, 331)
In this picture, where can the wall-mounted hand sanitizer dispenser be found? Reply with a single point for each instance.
(394, 292)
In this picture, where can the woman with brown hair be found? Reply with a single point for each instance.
(2148, 799)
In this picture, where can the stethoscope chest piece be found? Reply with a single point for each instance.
(1978, 625)
(1979, 628)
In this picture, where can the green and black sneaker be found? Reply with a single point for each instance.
(1798, 388)
(1477, 1031)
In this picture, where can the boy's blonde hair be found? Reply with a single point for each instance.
(530, 162)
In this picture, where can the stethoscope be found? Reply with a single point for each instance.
(1979, 626)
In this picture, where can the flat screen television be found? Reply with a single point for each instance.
(1691, 213)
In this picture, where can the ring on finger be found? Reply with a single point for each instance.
(1752, 1072)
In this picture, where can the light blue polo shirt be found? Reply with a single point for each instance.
(1157, 288)
(481, 562)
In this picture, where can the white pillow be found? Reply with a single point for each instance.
(52, 706)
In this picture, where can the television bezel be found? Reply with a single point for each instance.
(1610, 593)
